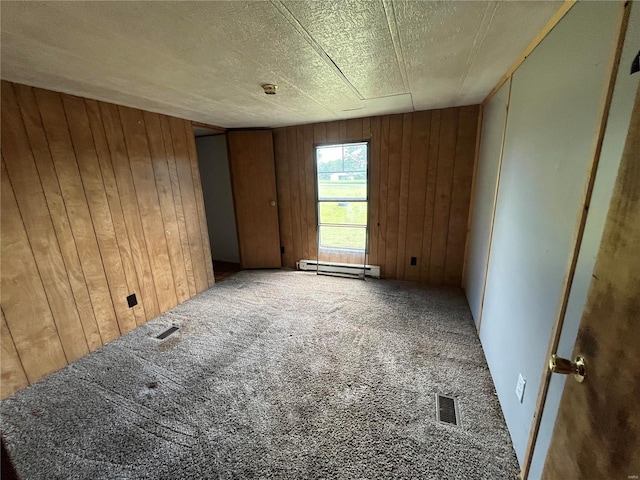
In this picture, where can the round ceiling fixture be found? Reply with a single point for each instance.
(269, 88)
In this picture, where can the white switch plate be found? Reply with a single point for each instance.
(520, 387)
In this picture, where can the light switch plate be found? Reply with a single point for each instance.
(520, 387)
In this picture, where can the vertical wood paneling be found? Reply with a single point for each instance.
(165, 195)
(13, 377)
(307, 149)
(333, 132)
(187, 194)
(384, 196)
(202, 219)
(115, 206)
(294, 185)
(22, 294)
(21, 169)
(419, 190)
(57, 211)
(416, 197)
(374, 190)
(135, 137)
(177, 199)
(302, 179)
(393, 194)
(284, 195)
(91, 212)
(430, 194)
(354, 130)
(444, 179)
(129, 202)
(64, 160)
(405, 168)
(461, 194)
(86, 156)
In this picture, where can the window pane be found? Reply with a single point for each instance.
(355, 158)
(329, 159)
(342, 237)
(340, 187)
(343, 212)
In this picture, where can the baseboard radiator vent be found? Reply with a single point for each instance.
(447, 409)
(340, 269)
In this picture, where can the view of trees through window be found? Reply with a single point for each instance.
(342, 195)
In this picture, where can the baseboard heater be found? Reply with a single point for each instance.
(340, 269)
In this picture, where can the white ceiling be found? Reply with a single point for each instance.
(205, 61)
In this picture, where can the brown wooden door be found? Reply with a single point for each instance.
(253, 177)
(597, 430)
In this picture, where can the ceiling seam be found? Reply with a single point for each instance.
(475, 48)
(295, 23)
(392, 24)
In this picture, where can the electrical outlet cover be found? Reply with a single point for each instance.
(520, 388)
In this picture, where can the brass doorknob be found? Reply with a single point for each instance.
(565, 366)
(272, 203)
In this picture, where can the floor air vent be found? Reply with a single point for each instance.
(167, 332)
(446, 409)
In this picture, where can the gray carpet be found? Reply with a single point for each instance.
(273, 374)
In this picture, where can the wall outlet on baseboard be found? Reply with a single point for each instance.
(520, 387)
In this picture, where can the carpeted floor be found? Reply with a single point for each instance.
(273, 374)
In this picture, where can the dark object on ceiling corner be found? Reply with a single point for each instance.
(635, 65)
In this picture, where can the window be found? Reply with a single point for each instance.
(342, 196)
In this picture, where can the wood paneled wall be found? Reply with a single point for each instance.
(98, 202)
(421, 172)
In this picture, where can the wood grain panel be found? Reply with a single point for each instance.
(416, 195)
(384, 196)
(393, 194)
(96, 198)
(57, 213)
(85, 204)
(188, 196)
(22, 294)
(12, 377)
(135, 137)
(442, 205)
(310, 188)
(115, 206)
(374, 190)
(158, 152)
(129, 202)
(300, 161)
(430, 194)
(296, 200)
(405, 166)
(22, 171)
(177, 200)
(354, 130)
(419, 189)
(202, 219)
(64, 160)
(284, 195)
(461, 194)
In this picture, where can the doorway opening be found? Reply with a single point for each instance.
(211, 146)
(342, 201)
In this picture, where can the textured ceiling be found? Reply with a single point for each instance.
(205, 61)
